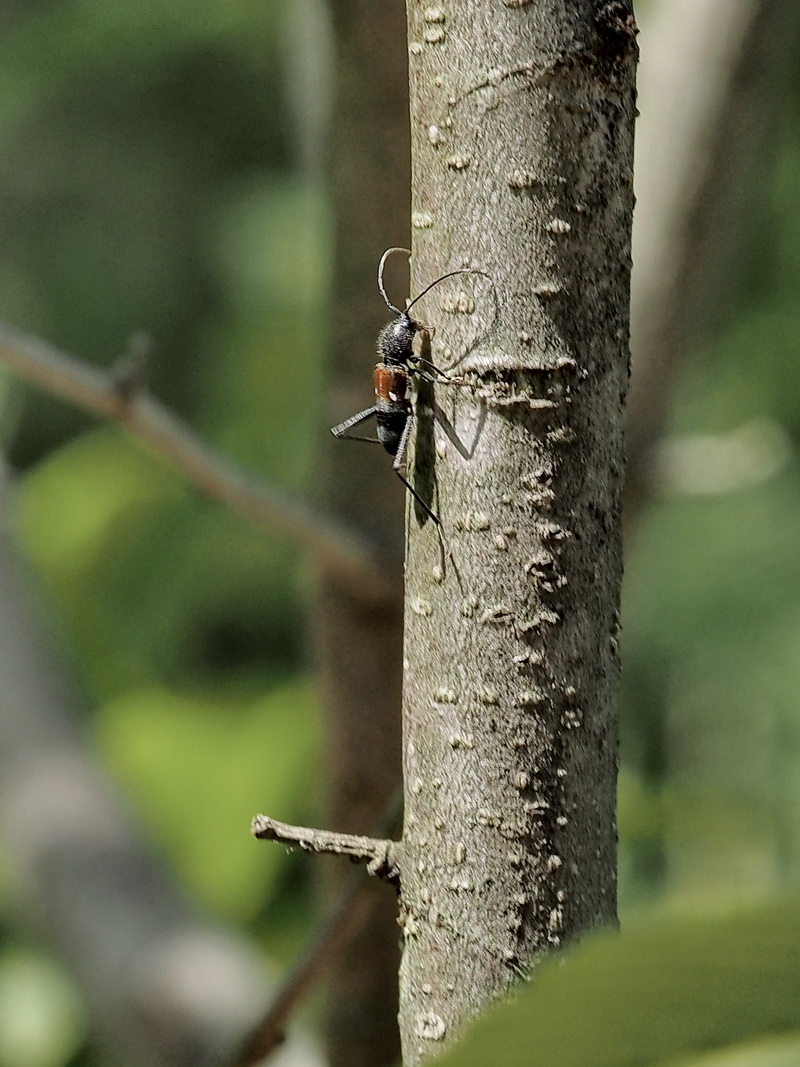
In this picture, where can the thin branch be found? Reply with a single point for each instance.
(380, 855)
(347, 918)
(326, 946)
(339, 550)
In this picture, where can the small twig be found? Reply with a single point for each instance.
(339, 550)
(380, 855)
(330, 940)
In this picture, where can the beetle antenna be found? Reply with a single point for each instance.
(451, 274)
(384, 257)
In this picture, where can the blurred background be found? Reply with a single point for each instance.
(162, 171)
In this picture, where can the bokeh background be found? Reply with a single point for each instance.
(161, 171)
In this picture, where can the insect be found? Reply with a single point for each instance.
(394, 414)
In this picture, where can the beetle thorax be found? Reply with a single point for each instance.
(395, 339)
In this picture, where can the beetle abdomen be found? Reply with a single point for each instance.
(390, 385)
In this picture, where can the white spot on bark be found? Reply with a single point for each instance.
(469, 607)
(476, 520)
(458, 162)
(430, 1026)
(434, 14)
(530, 698)
(420, 220)
(433, 34)
(520, 179)
(444, 695)
(559, 226)
(434, 134)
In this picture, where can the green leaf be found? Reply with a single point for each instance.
(651, 994)
(769, 1052)
(41, 1020)
(197, 770)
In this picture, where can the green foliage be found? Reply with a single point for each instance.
(154, 583)
(687, 985)
(41, 1019)
(198, 769)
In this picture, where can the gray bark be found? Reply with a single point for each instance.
(522, 135)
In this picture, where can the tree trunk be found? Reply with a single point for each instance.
(359, 639)
(522, 135)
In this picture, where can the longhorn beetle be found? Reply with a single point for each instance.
(394, 415)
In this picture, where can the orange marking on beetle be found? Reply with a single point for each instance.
(390, 382)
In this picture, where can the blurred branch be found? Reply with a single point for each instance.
(350, 915)
(709, 91)
(165, 989)
(342, 554)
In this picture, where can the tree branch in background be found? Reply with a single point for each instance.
(709, 94)
(120, 395)
(325, 947)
